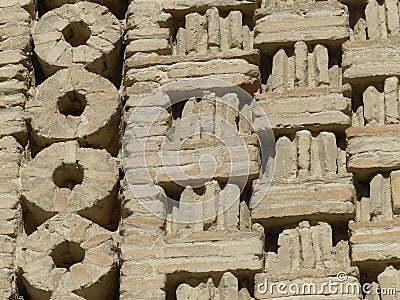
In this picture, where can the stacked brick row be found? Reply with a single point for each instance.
(15, 69)
(153, 57)
(69, 180)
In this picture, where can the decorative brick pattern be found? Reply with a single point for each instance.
(72, 220)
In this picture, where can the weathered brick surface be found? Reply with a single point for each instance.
(85, 34)
(58, 111)
(74, 218)
(75, 256)
(314, 21)
(15, 81)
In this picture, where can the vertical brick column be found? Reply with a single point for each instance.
(372, 71)
(16, 75)
(168, 41)
(309, 108)
(70, 173)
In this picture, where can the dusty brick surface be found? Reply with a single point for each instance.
(74, 217)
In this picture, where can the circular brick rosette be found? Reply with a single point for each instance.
(67, 178)
(69, 255)
(75, 104)
(85, 34)
(115, 6)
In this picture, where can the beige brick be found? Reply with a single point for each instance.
(322, 21)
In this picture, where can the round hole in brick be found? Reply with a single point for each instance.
(67, 254)
(76, 33)
(68, 176)
(72, 103)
